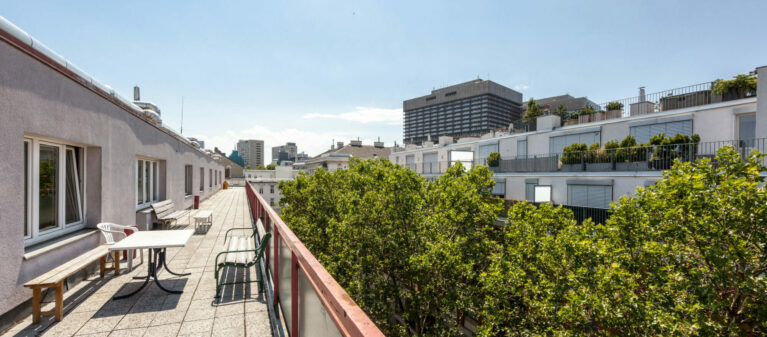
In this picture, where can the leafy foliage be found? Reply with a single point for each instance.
(684, 257)
(740, 84)
(588, 110)
(572, 154)
(533, 111)
(614, 106)
(561, 111)
(494, 159)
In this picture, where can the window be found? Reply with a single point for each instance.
(260, 190)
(542, 193)
(585, 195)
(522, 148)
(210, 177)
(747, 130)
(500, 187)
(485, 150)
(53, 189)
(146, 182)
(271, 201)
(271, 189)
(202, 179)
(188, 179)
(643, 131)
(558, 143)
(465, 157)
(452, 93)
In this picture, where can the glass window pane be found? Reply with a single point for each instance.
(154, 181)
(140, 179)
(147, 181)
(747, 129)
(72, 208)
(49, 200)
(26, 188)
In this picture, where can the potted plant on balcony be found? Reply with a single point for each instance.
(629, 156)
(493, 161)
(597, 159)
(585, 114)
(572, 118)
(532, 113)
(572, 157)
(614, 110)
(561, 111)
(740, 86)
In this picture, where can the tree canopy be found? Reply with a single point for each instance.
(685, 256)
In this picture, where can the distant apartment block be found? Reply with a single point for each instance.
(287, 154)
(571, 104)
(461, 110)
(534, 166)
(267, 182)
(338, 155)
(252, 152)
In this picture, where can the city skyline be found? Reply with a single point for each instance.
(311, 73)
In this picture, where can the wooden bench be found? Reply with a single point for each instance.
(55, 279)
(166, 213)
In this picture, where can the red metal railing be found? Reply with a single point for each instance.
(349, 319)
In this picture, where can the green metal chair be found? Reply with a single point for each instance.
(239, 255)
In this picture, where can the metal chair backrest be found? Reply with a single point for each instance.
(262, 246)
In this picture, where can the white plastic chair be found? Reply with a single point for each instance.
(113, 233)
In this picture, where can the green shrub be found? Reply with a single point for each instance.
(740, 84)
(573, 153)
(614, 106)
(588, 110)
(494, 159)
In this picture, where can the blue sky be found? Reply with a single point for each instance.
(315, 71)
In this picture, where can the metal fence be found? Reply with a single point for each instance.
(312, 302)
(678, 98)
(635, 158)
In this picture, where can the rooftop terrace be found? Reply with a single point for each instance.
(90, 311)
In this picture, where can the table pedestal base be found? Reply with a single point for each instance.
(156, 263)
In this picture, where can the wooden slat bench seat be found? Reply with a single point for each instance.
(166, 213)
(55, 279)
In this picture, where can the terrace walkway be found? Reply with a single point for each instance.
(90, 311)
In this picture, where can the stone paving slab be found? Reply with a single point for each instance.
(90, 311)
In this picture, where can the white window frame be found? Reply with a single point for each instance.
(33, 189)
(154, 187)
(188, 180)
(202, 179)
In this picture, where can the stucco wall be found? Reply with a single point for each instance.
(36, 100)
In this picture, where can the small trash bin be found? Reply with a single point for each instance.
(226, 185)
(196, 202)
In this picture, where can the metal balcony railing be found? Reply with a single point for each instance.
(312, 302)
(636, 158)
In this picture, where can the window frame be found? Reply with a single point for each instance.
(202, 179)
(188, 180)
(34, 235)
(154, 189)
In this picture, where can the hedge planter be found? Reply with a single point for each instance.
(613, 114)
(584, 119)
(599, 167)
(599, 116)
(572, 167)
(571, 122)
(632, 166)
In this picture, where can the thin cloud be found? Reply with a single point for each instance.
(365, 115)
(521, 87)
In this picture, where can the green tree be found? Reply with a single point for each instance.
(561, 111)
(533, 111)
(271, 166)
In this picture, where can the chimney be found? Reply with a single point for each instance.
(379, 144)
(333, 145)
(641, 94)
(136, 93)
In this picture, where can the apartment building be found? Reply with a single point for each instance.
(338, 155)
(266, 182)
(460, 110)
(75, 153)
(533, 167)
(252, 152)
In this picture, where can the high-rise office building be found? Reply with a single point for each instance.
(287, 152)
(252, 152)
(461, 110)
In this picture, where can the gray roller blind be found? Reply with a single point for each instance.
(558, 143)
(430, 157)
(485, 150)
(410, 160)
(530, 192)
(500, 187)
(594, 196)
(522, 148)
(643, 133)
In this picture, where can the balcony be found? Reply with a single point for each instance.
(302, 292)
(637, 158)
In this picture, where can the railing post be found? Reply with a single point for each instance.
(294, 295)
(276, 266)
